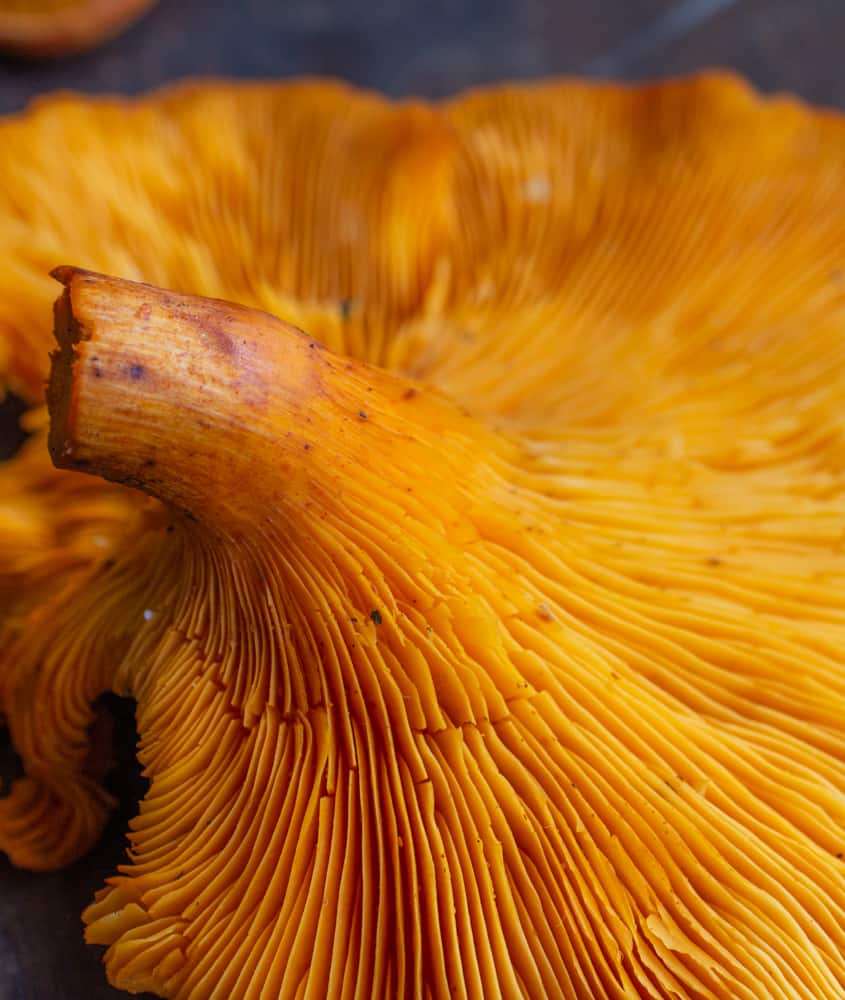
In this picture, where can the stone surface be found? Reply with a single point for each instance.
(434, 47)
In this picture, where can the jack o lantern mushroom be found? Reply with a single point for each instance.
(493, 648)
(38, 28)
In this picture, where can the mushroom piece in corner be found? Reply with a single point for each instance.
(49, 28)
(429, 706)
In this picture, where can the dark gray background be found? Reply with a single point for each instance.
(401, 47)
(434, 48)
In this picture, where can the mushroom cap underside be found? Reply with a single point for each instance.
(593, 614)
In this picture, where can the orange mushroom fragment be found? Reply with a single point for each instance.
(487, 637)
(38, 28)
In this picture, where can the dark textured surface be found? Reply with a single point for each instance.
(42, 953)
(11, 435)
(410, 47)
(433, 47)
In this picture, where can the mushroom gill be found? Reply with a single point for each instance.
(411, 726)
(487, 638)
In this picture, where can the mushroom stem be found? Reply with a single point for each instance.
(177, 395)
(199, 402)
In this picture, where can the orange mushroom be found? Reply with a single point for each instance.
(61, 27)
(493, 648)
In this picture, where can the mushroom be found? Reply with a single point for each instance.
(38, 28)
(495, 647)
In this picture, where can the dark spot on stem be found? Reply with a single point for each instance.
(213, 328)
(376, 617)
(362, 415)
(136, 372)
